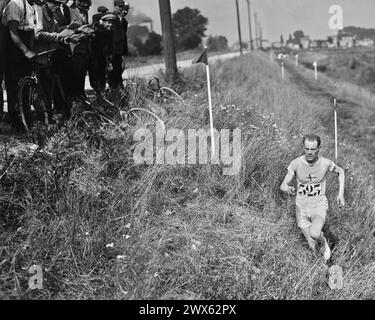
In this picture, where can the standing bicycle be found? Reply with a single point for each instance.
(39, 99)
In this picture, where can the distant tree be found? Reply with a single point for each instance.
(137, 32)
(189, 26)
(361, 33)
(145, 42)
(298, 35)
(132, 50)
(290, 38)
(217, 43)
(281, 39)
(153, 45)
(138, 44)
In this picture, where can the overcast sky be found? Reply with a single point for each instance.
(276, 16)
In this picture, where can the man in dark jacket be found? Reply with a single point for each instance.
(81, 51)
(120, 45)
(99, 49)
(18, 16)
(2, 57)
(48, 36)
(62, 15)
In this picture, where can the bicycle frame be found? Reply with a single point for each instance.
(34, 80)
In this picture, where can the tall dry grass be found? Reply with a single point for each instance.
(104, 228)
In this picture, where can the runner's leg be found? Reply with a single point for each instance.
(316, 233)
(310, 240)
(305, 224)
(316, 227)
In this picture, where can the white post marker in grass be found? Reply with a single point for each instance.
(335, 116)
(315, 70)
(282, 70)
(203, 59)
(271, 55)
(296, 57)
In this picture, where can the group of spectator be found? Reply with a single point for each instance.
(29, 27)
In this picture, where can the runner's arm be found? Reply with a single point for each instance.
(285, 187)
(341, 173)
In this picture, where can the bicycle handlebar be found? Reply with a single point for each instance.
(38, 55)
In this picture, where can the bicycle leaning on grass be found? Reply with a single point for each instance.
(33, 102)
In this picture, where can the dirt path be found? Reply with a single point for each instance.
(355, 122)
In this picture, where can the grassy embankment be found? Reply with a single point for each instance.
(181, 232)
(354, 65)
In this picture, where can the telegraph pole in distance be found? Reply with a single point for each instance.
(249, 16)
(168, 39)
(256, 30)
(239, 26)
(260, 36)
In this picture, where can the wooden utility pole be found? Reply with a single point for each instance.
(249, 16)
(168, 39)
(256, 30)
(239, 26)
(260, 35)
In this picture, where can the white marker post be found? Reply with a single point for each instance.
(335, 116)
(316, 70)
(271, 55)
(211, 116)
(203, 58)
(282, 70)
(296, 56)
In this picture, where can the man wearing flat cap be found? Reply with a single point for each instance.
(120, 46)
(102, 10)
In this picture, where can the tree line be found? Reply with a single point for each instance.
(189, 29)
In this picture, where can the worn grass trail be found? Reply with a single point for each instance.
(356, 113)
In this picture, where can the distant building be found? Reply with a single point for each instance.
(367, 42)
(346, 40)
(319, 44)
(314, 44)
(294, 46)
(266, 44)
(305, 42)
(282, 56)
(332, 42)
(277, 45)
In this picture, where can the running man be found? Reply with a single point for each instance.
(310, 170)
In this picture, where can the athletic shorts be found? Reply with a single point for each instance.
(305, 213)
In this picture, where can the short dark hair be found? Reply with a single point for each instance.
(311, 137)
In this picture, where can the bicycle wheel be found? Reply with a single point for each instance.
(139, 117)
(30, 103)
(170, 96)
